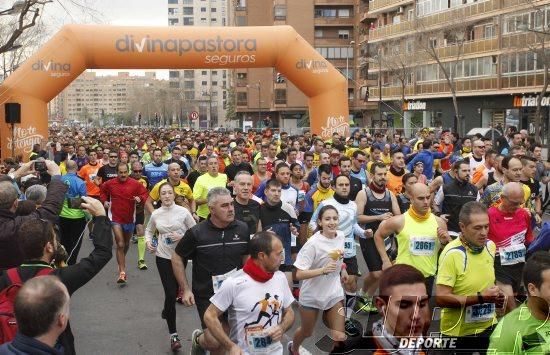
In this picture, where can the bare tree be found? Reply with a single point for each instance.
(429, 41)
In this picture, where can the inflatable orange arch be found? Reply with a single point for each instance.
(76, 48)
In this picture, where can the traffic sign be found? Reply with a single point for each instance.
(193, 115)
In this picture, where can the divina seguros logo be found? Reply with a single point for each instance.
(316, 66)
(54, 68)
(184, 46)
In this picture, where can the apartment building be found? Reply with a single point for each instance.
(491, 49)
(92, 96)
(329, 26)
(202, 90)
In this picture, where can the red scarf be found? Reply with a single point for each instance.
(256, 272)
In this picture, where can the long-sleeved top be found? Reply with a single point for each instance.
(427, 158)
(278, 219)
(165, 221)
(121, 195)
(23, 345)
(77, 188)
(77, 275)
(10, 253)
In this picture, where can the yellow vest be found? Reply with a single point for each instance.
(418, 244)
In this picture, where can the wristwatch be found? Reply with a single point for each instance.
(479, 298)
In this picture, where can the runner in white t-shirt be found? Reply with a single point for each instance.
(320, 265)
(258, 301)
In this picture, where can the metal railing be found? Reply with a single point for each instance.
(379, 4)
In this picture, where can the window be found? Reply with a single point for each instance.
(241, 76)
(174, 74)
(173, 21)
(335, 52)
(204, 72)
(214, 83)
(172, 11)
(350, 94)
(280, 12)
(189, 95)
(280, 96)
(432, 42)
(344, 13)
(343, 34)
(213, 9)
(188, 2)
(213, 19)
(204, 83)
(189, 85)
(409, 46)
(347, 72)
(188, 74)
(214, 72)
(203, 9)
(188, 21)
(203, 19)
(174, 84)
(172, 2)
(242, 99)
(489, 31)
(188, 11)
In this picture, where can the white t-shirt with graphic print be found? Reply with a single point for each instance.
(254, 307)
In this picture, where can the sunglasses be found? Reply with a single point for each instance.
(138, 171)
(113, 156)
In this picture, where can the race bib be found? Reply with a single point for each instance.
(349, 247)
(259, 342)
(218, 280)
(422, 246)
(513, 254)
(480, 313)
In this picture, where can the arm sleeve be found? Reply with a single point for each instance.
(151, 227)
(446, 274)
(186, 246)
(51, 207)
(438, 155)
(76, 276)
(224, 297)
(305, 257)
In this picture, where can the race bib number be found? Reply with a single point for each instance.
(259, 342)
(422, 246)
(218, 280)
(480, 313)
(513, 254)
(349, 247)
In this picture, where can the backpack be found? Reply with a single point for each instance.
(8, 324)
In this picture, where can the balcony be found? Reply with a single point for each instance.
(377, 6)
(367, 17)
(522, 80)
(333, 21)
(363, 38)
(436, 87)
(471, 12)
(333, 2)
(471, 47)
(332, 41)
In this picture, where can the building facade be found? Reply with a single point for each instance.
(329, 26)
(201, 90)
(491, 51)
(92, 97)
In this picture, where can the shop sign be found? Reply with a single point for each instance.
(414, 106)
(530, 101)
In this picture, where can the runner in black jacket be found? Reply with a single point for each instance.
(39, 251)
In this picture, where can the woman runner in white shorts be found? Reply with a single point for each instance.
(320, 265)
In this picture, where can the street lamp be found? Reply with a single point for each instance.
(14, 9)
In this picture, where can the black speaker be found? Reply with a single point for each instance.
(13, 113)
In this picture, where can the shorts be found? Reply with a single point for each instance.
(140, 218)
(352, 267)
(316, 306)
(126, 227)
(509, 274)
(202, 304)
(370, 254)
(304, 217)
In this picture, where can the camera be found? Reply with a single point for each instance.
(75, 202)
(40, 165)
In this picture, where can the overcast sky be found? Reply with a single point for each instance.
(113, 12)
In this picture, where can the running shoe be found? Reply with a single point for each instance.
(351, 328)
(365, 305)
(289, 348)
(196, 349)
(175, 342)
(142, 265)
(134, 239)
(121, 278)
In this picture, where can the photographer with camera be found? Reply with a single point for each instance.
(72, 220)
(10, 253)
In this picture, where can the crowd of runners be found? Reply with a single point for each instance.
(266, 220)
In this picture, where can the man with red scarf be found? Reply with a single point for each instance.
(259, 299)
